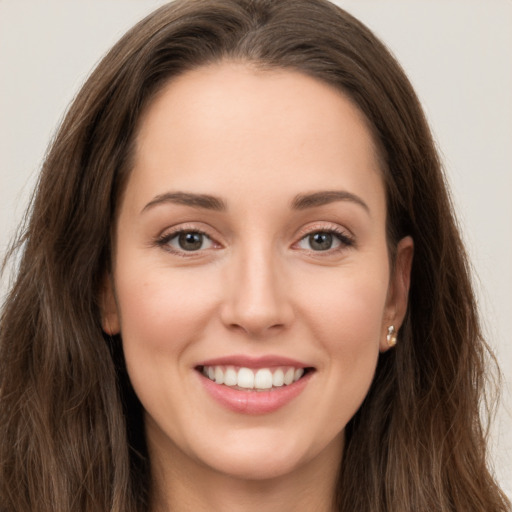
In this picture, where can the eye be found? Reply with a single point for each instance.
(324, 241)
(189, 241)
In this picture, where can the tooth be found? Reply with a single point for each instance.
(263, 379)
(245, 378)
(230, 378)
(299, 372)
(288, 376)
(219, 375)
(278, 378)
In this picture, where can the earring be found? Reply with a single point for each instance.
(391, 336)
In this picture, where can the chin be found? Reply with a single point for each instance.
(265, 457)
(260, 466)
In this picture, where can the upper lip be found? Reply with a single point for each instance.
(267, 361)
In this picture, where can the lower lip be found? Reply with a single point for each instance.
(252, 401)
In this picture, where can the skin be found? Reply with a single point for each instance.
(255, 140)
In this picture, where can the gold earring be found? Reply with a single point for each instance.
(391, 336)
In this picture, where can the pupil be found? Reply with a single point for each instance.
(320, 241)
(190, 241)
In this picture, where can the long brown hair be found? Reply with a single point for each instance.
(71, 433)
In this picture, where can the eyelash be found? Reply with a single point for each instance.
(164, 240)
(346, 241)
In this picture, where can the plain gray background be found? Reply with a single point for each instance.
(457, 53)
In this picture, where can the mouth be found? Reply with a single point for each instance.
(249, 385)
(254, 385)
(243, 378)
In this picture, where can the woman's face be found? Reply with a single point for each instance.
(251, 247)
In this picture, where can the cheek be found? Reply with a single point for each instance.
(346, 309)
(163, 314)
(346, 319)
(161, 311)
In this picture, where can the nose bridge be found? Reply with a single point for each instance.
(256, 298)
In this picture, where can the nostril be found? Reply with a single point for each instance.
(256, 328)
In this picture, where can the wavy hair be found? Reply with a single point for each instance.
(71, 432)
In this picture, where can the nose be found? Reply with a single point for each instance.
(256, 299)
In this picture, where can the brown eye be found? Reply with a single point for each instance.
(189, 241)
(321, 241)
(326, 240)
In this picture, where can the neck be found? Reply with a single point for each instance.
(181, 484)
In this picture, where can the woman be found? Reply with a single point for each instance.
(241, 286)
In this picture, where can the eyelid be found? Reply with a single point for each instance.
(162, 240)
(345, 236)
(176, 237)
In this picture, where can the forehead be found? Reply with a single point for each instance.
(229, 123)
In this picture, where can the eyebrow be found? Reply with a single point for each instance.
(315, 199)
(299, 202)
(202, 201)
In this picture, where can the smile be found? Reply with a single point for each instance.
(254, 385)
(260, 379)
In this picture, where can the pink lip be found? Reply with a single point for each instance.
(268, 361)
(251, 401)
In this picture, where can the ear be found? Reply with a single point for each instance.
(108, 305)
(398, 292)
